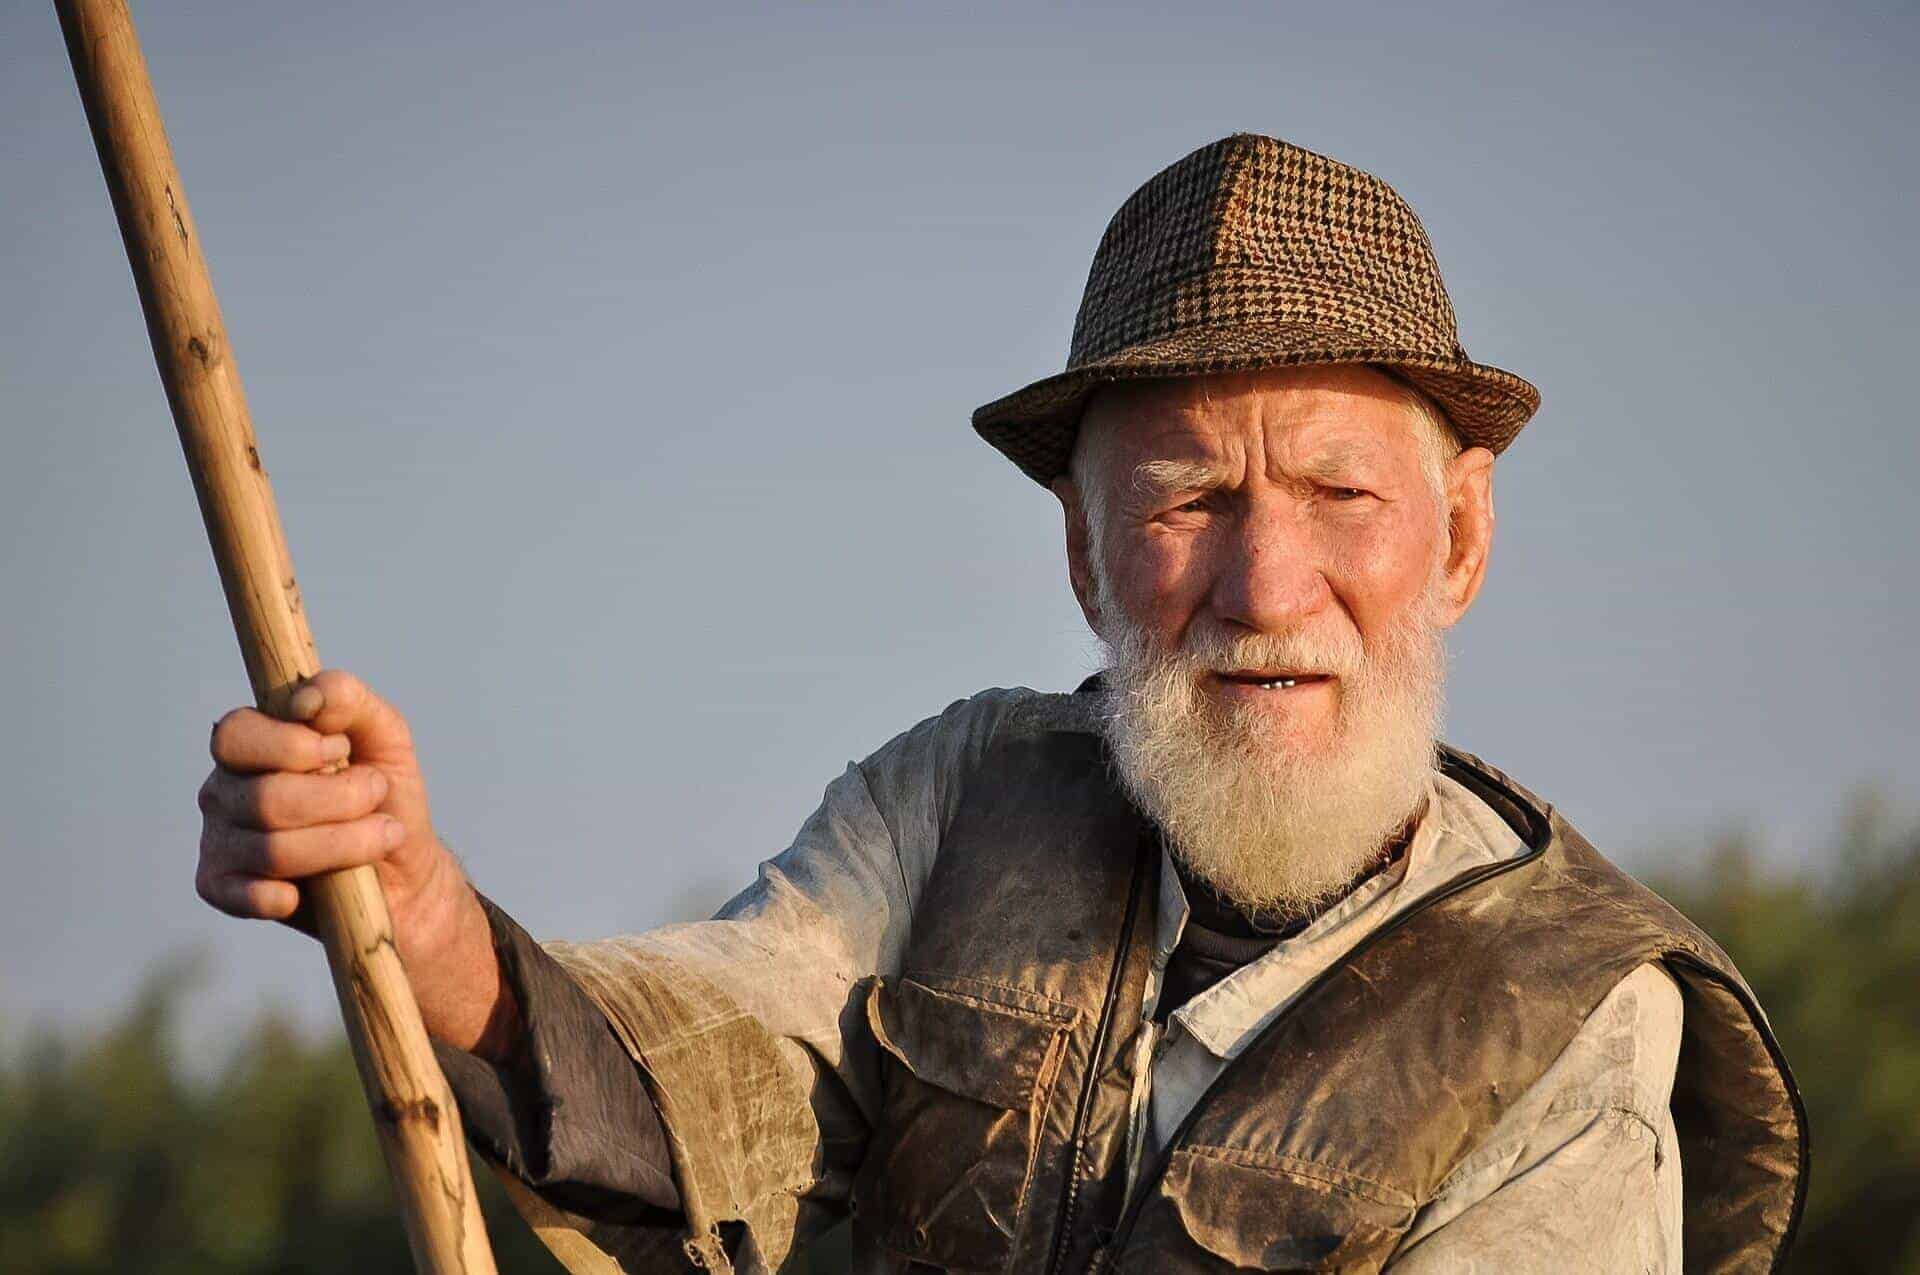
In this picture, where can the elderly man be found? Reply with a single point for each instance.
(1219, 962)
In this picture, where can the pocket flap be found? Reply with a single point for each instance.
(1272, 1213)
(991, 1053)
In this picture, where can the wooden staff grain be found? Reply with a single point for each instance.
(412, 1107)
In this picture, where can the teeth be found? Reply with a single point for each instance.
(1280, 683)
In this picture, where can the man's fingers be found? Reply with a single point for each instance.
(300, 852)
(288, 799)
(335, 702)
(282, 804)
(252, 898)
(249, 742)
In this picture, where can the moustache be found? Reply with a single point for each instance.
(1230, 654)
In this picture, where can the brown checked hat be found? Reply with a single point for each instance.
(1253, 253)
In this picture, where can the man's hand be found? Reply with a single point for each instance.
(278, 808)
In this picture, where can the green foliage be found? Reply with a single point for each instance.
(114, 1159)
(1834, 956)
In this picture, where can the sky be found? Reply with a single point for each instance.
(613, 363)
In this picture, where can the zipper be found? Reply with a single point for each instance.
(1150, 1180)
(1070, 1189)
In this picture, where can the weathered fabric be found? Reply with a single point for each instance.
(569, 1115)
(1595, 1120)
(760, 1041)
(1316, 1146)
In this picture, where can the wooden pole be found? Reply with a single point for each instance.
(412, 1107)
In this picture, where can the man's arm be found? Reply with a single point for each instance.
(749, 1030)
(566, 1111)
(1583, 1173)
(741, 1019)
(739, 1041)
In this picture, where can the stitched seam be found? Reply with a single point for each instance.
(1674, 942)
(1614, 1109)
(1041, 1080)
(1626, 1094)
(979, 1002)
(1293, 1166)
(1060, 1011)
(1477, 1163)
(1509, 1148)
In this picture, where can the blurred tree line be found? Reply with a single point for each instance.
(113, 1159)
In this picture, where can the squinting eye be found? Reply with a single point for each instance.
(1346, 493)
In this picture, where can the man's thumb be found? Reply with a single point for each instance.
(335, 702)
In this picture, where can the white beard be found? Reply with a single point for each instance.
(1273, 827)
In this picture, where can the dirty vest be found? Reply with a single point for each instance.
(1008, 1033)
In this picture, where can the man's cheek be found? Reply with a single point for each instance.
(1166, 583)
(1379, 577)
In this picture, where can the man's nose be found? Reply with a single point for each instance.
(1270, 577)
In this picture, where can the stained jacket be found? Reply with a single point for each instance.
(959, 1060)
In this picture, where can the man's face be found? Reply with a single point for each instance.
(1270, 557)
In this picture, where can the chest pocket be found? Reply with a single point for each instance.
(1224, 1210)
(946, 1177)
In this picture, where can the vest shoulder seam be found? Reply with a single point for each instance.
(1674, 938)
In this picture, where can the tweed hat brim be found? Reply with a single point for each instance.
(1035, 427)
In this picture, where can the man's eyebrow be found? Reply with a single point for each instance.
(1175, 475)
(1336, 461)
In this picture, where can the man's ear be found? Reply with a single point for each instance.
(1079, 549)
(1469, 486)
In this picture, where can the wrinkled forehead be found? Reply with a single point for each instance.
(1313, 414)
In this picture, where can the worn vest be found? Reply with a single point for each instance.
(1008, 1032)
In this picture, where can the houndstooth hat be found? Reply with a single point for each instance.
(1253, 253)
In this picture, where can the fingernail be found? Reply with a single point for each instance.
(334, 747)
(305, 703)
(396, 833)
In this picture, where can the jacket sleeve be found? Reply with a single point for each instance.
(569, 1115)
(747, 1032)
(1583, 1173)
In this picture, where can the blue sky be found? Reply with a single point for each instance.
(613, 363)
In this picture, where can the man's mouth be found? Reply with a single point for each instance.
(1272, 679)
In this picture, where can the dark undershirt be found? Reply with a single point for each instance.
(1218, 939)
(1220, 936)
